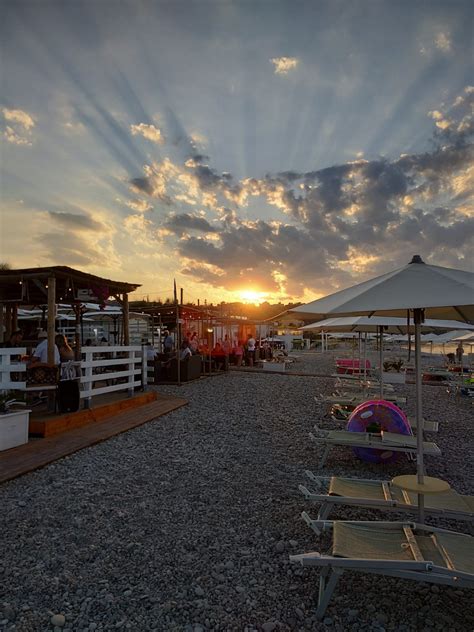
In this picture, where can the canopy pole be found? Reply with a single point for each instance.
(418, 317)
(51, 318)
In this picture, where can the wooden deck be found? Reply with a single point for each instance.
(39, 452)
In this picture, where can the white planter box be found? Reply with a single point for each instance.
(278, 367)
(393, 378)
(14, 429)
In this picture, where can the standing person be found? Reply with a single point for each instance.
(459, 353)
(226, 345)
(167, 343)
(65, 351)
(251, 349)
(238, 351)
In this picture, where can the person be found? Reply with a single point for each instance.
(88, 343)
(218, 356)
(459, 353)
(65, 352)
(194, 343)
(151, 353)
(15, 340)
(251, 349)
(238, 351)
(40, 354)
(167, 343)
(104, 342)
(226, 345)
(186, 352)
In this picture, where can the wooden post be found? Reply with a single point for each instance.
(14, 317)
(51, 317)
(1, 323)
(126, 332)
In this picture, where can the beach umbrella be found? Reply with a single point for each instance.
(419, 288)
(387, 324)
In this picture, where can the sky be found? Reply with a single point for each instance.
(257, 150)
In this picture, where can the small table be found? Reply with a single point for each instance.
(431, 485)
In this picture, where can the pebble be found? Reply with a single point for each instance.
(168, 526)
(58, 620)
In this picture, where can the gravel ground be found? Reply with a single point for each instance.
(186, 523)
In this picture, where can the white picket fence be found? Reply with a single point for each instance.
(102, 370)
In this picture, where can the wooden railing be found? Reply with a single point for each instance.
(121, 368)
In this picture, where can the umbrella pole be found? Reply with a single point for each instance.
(381, 360)
(417, 317)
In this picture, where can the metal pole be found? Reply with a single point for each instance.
(178, 346)
(381, 360)
(417, 317)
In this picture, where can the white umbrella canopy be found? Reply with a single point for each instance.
(464, 338)
(390, 324)
(443, 293)
(424, 289)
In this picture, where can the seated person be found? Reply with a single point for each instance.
(218, 355)
(40, 354)
(15, 340)
(185, 352)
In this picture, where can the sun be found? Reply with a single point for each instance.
(252, 296)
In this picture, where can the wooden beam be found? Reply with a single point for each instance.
(51, 318)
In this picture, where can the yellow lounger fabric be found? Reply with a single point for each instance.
(352, 488)
(379, 542)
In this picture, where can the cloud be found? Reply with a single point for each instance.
(283, 65)
(139, 205)
(74, 221)
(19, 116)
(443, 42)
(325, 228)
(18, 129)
(150, 132)
(183, 223)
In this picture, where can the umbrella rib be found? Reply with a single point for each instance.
(459, 311)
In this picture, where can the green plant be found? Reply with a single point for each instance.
(10, 399)
(397, 365)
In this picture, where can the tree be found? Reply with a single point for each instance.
(4, 265)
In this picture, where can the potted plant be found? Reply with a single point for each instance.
(14, 420)
(392, 371)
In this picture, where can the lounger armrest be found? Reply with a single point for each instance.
(314, 558)
(318, 480)
(312, 524)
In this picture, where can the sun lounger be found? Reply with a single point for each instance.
(386, 441)
(361, 385)
(374, 494)
(341, 412)
(346, 399)
(396, 549)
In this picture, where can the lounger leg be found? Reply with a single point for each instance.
(325, 456)
(324, 511)
(326, 590)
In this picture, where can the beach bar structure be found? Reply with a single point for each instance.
(124, 365)
(53, 285)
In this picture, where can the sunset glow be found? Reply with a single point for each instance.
(251, 296)
(280, 158)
